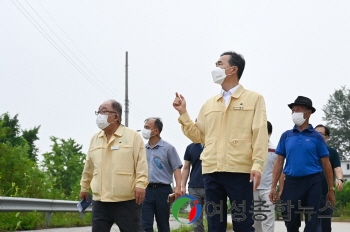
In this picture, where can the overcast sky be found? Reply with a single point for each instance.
(59, 60)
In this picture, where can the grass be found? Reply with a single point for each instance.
(184, 228)
(344, 213)
(10, 221)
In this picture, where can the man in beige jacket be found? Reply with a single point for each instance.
(232, 127)
(117, 172)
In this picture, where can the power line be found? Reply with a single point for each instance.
(66, 45)
(138, 113)
(56, 46)
(74, 43)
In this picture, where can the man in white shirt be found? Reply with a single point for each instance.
(261, 195)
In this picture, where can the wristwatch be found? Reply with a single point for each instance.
(341, 180)
(331, 188)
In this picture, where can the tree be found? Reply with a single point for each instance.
(64, 165)
(337, 116)
(13, 164)
(31, 136)
(11, 129)
(19, 175)
(14, 135)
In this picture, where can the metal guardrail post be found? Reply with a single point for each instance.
(48, 218)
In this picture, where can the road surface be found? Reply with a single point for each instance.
(279, 227)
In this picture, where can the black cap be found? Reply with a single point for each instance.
(303, 101)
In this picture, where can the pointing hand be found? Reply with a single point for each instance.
(179, 103)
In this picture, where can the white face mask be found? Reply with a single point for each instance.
(101, 121)
(298, 118)
(269, 136)
(219, 75)
(146, 133)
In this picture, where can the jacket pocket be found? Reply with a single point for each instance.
(123, 157)
(96, 154)
(239, 151)
(123, 184)
(208, 156)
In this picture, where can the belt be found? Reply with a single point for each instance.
(156, 185)
(303, 177)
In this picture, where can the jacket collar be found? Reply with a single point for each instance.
(119, 132)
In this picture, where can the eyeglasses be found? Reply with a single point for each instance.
(104, 112)
(322, 134)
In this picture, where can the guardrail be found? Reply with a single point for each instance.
(19, 204)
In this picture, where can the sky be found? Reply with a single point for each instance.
(59, 60)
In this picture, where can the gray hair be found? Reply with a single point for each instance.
(157, 122)
(118, 108)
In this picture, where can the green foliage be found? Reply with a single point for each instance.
(31, 136)
(14, 164)
(37, 220)
(183, 228)
(11, 129)
(337, 116)
(28, 220)
(71, 219)
(19, 174)
(343, 197)
(188, 228)
(64, 165)
(11, 135)
(344, 213)
(342, 203)
(13, 220)
(35, 184)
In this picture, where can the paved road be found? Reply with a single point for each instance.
(336, 226)
(279, 227)
(173, 224)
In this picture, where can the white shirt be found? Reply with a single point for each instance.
(227, 95)
(266, 176)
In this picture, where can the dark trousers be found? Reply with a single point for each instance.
(236, 186)
(126, 214)
(308, 190)
(156, 204)
(325, 223)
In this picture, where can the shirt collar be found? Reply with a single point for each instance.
(236, 92)
(118, 132)
(309, 128)
(230, 92)
(159, 144)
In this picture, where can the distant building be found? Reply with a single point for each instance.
(345, 166)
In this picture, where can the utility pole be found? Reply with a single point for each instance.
(126, 91)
